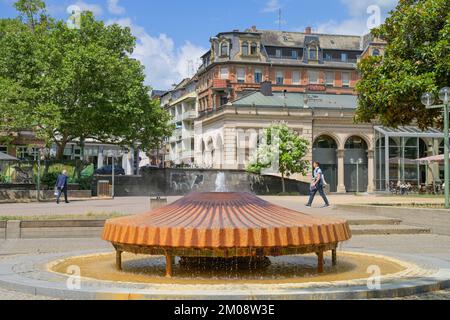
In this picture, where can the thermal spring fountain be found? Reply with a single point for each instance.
(215, 228)
(231, 246)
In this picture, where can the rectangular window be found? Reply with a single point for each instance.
(344, 57)
(296, 77)
(313, 77)
(294, 54)
(240, 75)
(312, 53)
(278, 53)
(280, 77)
(328, 57)
(258, 76)
(346, 79)
(26, 153)
(329, 78)
(4, 149)
(224, 73)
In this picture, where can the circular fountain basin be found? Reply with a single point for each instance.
(282, 270)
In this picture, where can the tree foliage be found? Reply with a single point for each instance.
(75, 84)
(281, 148)
(417, 60)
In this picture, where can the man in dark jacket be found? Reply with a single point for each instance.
(61, 186)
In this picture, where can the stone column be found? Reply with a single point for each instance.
(371, 172)
(100, 158)
(341, 172)
(230, 148)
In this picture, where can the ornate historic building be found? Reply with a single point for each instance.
(250, 79)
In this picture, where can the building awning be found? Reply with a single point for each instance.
(7, 157)
(409, 132)
(439, 158)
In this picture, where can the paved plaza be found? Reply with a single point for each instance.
(134, 205)
(429, 246)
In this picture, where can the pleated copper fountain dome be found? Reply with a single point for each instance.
(224, 225)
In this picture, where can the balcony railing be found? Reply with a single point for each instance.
(188, 134)
(220, 83)
(190, 115)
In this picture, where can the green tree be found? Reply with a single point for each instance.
(281, 149)
(417, 60)
(75, 84)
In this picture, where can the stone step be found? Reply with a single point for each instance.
(366, 222)
(387, 230)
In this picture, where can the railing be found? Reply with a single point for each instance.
(220, 83)
(188, 134)
(190, 115)
(340, 60)
(176, 136)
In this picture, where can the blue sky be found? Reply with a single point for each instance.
(172, 34)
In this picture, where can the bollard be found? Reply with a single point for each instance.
(157, 202)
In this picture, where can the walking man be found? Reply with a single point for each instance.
(61, 186)
(317, 185)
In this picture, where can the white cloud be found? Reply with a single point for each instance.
(115, 8)
(357, 23)
(96, 9)
(165, 64)
(272, 6)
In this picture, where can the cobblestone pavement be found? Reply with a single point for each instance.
(439, 295)
(13, 295)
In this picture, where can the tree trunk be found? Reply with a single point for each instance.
(283, 183)
(61, 147)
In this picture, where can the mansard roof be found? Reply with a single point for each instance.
(298, 100)
(299, 39)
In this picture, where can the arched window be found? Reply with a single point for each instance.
(375, 52)
(356, 143)
(325, 142)
(224, 49)
(254, 48)
(245, 48)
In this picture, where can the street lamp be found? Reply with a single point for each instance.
(358, 162)
(428, 100)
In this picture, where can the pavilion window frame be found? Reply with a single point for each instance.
(404, 134)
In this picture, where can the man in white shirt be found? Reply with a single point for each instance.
(317, 186)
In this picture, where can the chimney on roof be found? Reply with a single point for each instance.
(266, 88)
(308, 30)
(254, 29)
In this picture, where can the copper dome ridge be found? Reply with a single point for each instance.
(225, 225)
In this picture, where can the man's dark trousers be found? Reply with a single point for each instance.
(60, 192)
(312, 194)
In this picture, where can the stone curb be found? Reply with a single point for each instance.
(27, 274)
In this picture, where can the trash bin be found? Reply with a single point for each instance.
(103, 188)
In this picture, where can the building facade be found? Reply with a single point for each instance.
(251, 79)
(182, 104)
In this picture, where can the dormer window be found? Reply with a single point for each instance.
(254, 48)
(278, 53)
(294, 54)
(313, 53)
(376, 53)
(245, 48)
(344, 57)
(224, 49)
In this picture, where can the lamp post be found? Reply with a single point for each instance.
(428, 101)
(358, 162)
